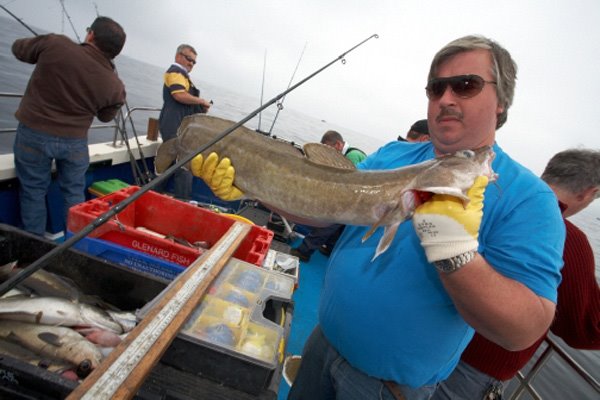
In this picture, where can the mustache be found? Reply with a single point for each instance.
(449, 112)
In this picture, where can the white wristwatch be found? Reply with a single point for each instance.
(454, 263)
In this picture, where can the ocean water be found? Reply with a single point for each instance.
(144, 84)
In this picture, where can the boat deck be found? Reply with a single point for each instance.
(306, 303)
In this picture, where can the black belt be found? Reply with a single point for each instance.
(394, 390)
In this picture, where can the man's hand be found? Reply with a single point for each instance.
(448, 228)
(218, 175)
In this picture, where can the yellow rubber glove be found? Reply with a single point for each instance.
(218, 175)
(448, 228)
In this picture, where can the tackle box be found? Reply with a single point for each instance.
(131, 290)
(238, 326)
(283, 263)
(166, 228)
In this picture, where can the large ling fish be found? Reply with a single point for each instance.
(319, 185)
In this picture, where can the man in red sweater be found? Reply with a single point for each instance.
(574, 176)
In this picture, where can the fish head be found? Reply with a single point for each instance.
(450, 174)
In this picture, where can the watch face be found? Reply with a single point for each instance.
(445, 265)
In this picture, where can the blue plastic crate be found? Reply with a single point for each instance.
(129, 258)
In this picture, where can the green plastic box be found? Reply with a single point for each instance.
(102, 188)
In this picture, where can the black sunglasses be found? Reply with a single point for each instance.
(464, 86)
(190, 59)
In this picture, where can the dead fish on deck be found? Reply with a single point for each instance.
(100, 336)
(57, 311)
(15, 350)
(323, 186)
(53, 341)
(42, 282)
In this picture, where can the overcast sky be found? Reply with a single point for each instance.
(379, 91)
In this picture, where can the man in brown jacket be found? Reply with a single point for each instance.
(70, 85)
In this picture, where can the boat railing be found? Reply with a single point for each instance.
(525, 381)
(119, 124)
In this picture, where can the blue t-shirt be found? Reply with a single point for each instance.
(391, 318)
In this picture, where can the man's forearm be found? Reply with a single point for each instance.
(108, 113)
(186, 98)
(501, 309)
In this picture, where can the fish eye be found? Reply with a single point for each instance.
(466, 153)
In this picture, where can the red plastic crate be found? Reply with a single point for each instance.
(169, 217)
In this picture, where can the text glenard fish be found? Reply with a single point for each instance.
(322, 186)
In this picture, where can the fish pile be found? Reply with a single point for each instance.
(46, 321)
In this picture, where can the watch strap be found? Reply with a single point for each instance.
(452, 264)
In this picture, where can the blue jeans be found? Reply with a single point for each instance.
(34, 152)
(467, 383)
(324, 374)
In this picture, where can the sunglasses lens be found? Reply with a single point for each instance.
(467, 86)
(436, 88)
(464, 86)
(188, 58)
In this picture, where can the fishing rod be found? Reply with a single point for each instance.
(65, 13)
(280, 103)
(262, 91)
(117, 208)
(19, 20)
(135, 169)
(147, 177)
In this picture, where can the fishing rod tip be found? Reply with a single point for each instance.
(376, 36)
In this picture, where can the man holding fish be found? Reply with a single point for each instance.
(394, 325)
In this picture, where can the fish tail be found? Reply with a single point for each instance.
(386, 240)
(165, 155)
(7, 269)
